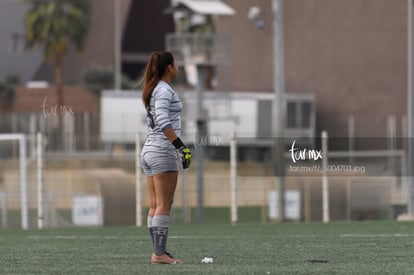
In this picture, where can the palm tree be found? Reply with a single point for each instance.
(54, 25)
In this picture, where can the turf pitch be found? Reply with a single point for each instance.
(315, 248)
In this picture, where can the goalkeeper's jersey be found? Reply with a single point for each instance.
(163, 113)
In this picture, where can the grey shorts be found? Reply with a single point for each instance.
(159, 162)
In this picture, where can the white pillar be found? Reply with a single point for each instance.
(138, 181)
(325, 184)
(233, 178)
(40, 182)
(23, 182)
(3, 206)
(391, 135)
(348, 199)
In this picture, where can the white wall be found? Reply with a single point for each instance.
(122, 116)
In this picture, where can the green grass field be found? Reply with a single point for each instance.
(348, 248)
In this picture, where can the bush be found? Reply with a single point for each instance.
(7, 90)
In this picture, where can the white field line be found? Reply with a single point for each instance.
(377, 235)
(71, 237)
(75, 237)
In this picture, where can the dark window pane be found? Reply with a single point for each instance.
(291, 115)
(306, 114)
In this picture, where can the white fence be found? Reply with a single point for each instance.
(234, 191)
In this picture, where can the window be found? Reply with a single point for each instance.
(292, 116)
(306, 114)
(299, 114)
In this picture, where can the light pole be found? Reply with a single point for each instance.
(410, 110)
(117, 45)
(278, 103)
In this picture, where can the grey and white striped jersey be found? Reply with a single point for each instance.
(164, 112)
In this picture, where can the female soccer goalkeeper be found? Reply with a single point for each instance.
(159, 154)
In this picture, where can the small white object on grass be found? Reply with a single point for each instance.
(207, 260)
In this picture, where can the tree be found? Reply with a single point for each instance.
(7, 90)
(54, 25)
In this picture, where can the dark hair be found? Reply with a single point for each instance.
(154, 71)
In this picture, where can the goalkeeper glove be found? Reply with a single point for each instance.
(185, 153)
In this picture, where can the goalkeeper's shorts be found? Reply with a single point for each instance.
(154, 162)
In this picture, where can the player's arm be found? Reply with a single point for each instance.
(162, 104)
(163, 100)
(170, 134)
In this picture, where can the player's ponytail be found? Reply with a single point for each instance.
(154, 71)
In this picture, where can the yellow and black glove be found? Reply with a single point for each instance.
(185, 153)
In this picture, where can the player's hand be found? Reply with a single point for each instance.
(185, 153)
(185, 157)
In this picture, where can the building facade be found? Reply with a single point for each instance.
(352, 55)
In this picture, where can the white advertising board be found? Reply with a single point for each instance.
(87, 211)
(292, 205)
